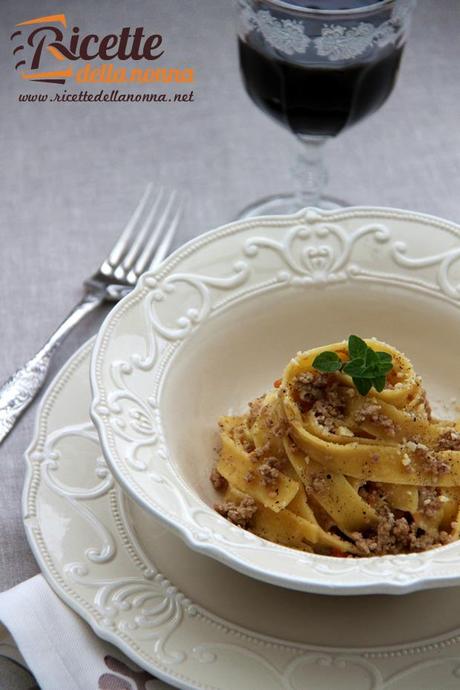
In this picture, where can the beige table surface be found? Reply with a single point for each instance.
(70, 173)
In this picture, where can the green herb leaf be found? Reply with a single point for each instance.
(366, 366)
(371, 358)
(363, 386)
(379, 383)
(357, 348)
(327, 362)
(370, 373)
(385, 367)
(355, 367)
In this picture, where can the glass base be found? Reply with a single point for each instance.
(281, 204)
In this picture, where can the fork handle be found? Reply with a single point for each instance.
(20, 389)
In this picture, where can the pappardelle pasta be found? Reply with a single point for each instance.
(316, 465)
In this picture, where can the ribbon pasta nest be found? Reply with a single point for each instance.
(317, 466)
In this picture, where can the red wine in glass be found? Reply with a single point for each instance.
(319, 67)
(314, 100)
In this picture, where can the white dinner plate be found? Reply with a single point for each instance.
(216, 324)
(187, 618)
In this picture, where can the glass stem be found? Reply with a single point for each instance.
(310, 171)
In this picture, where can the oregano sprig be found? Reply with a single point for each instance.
(367, 367)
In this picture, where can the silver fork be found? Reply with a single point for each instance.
(137, 249)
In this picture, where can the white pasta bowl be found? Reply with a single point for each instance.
(216, 324)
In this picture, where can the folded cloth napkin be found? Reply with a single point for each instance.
(60, 649)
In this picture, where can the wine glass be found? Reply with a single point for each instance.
(318, 67)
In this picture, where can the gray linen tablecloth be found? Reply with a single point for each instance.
(72, 172)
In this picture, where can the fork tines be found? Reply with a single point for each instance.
(146, 239)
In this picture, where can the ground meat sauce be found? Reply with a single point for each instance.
(270, 470)
(217, 480)
(449, 440)
(238, 513)
(329, 401)
(323, 394)
(397, 535)
(371, 412)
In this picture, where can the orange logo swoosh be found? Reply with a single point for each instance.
(48, 75)
(61, 18)
(56, 53)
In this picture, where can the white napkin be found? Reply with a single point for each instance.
(60, 649)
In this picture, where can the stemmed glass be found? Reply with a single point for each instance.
(318, 67)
